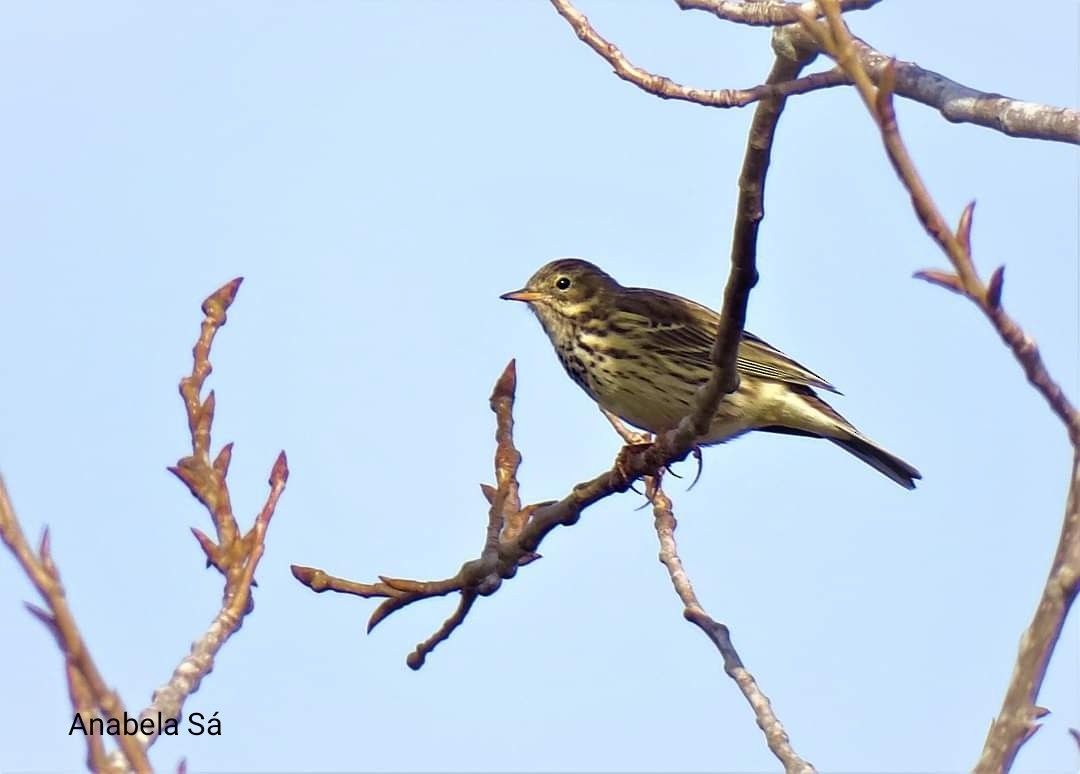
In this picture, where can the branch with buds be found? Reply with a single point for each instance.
(233, 554)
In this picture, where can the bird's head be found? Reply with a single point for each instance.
(567, 290)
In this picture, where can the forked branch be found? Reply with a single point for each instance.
(236, 556)
(956, 102)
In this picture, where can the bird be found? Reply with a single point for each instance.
(642, 354)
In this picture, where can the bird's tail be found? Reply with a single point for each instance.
(873, 455)
(841, 432)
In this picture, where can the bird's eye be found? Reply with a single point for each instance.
(562, 283)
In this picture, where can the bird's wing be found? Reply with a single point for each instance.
(687, 330)
(758, 358)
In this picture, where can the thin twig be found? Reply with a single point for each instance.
(665, 524)
(665, 88)
(718, 633)
(416, 659)
(1016, 722)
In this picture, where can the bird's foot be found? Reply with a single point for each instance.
(621, 469)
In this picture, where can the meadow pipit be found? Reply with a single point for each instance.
(642, 354)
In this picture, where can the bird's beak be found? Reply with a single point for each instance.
(528, 296)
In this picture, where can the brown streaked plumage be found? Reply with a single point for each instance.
(642, 354)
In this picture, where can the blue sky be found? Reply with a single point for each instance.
(379, 173)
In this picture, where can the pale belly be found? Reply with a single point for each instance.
(756, 403)
(655, 400)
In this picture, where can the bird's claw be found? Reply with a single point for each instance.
(696, 451)
(621, 471)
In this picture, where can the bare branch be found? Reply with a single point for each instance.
(666, 88)
(169, 698)
(236, 556)
(956, 102)
(962, 104)
(1016, 722)
(775, 736)
(500, 557)
(87, 687)
(416, 659)
(206, 480)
